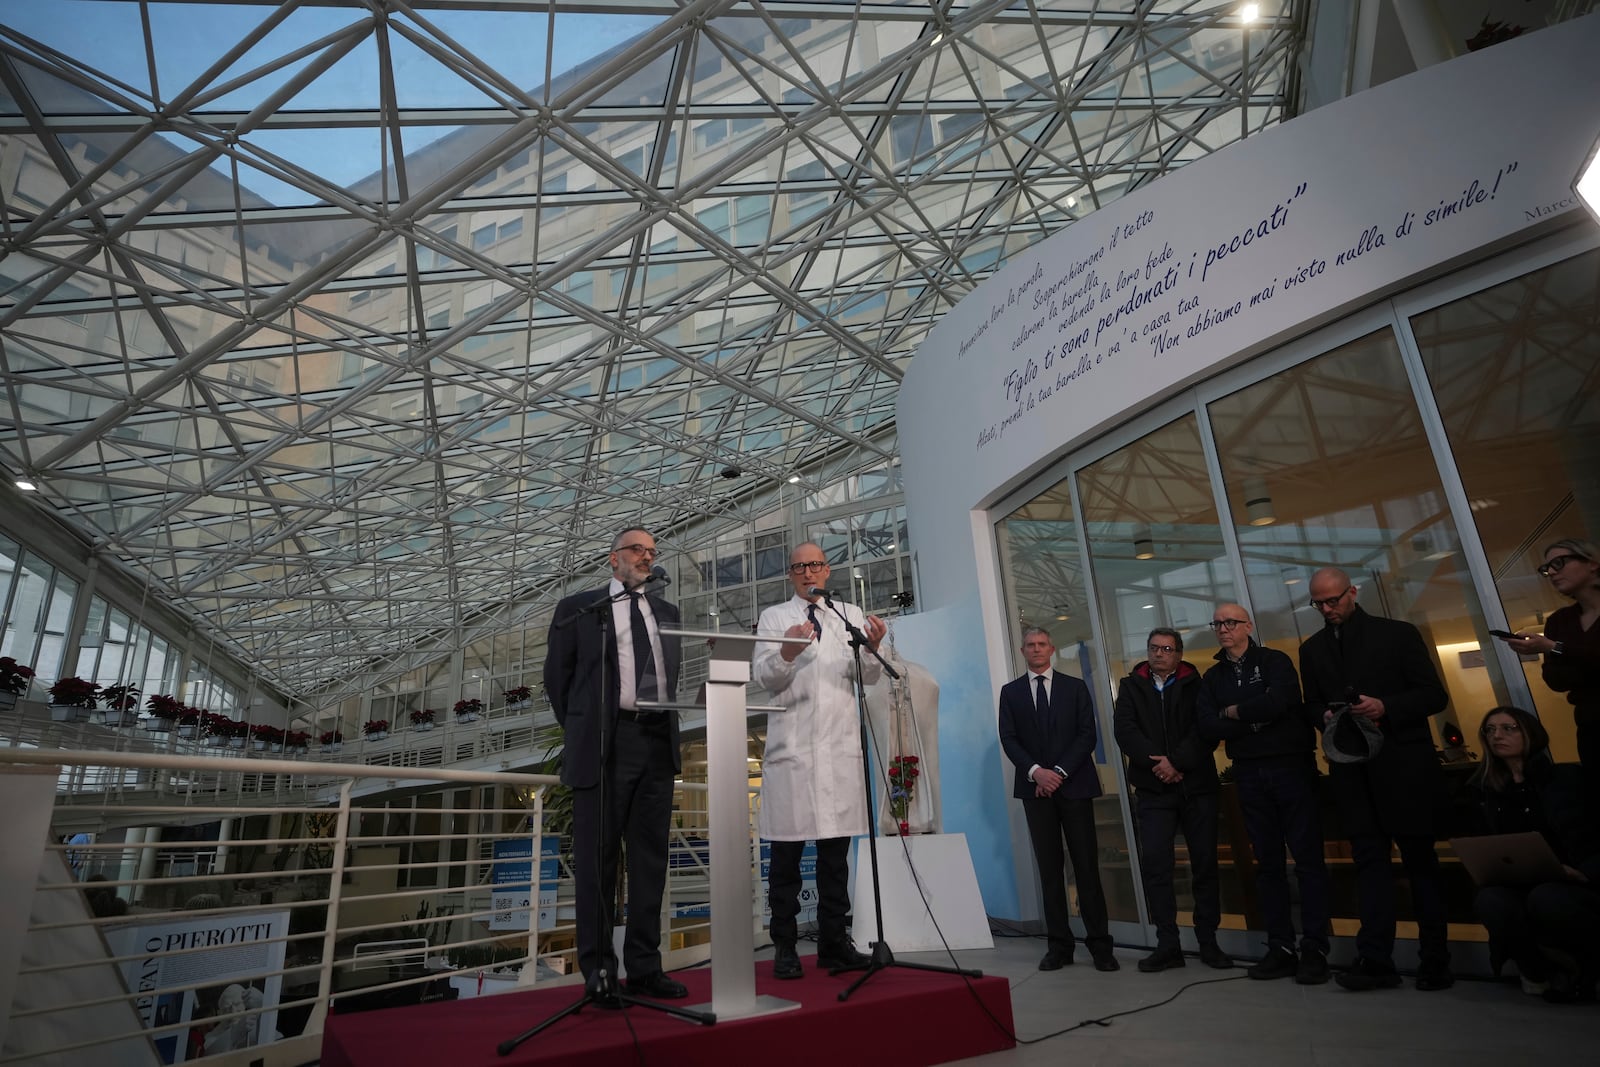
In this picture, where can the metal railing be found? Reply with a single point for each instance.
(237, 918)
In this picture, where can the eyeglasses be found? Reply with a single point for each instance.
(1227, 624)
(1160, 649)
(1330, 601)
(1501, 728)
(808, 565)
(1550, 566)
(641, 550)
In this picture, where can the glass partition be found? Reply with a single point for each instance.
(1043, 575)
(1516, 372)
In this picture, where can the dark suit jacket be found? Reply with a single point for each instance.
(572, 679)
(1065, 738)
(1397, 791)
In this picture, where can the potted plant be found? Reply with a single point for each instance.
(376, 729)
(296, 741)
(72, 699)
(519, 698)
(238, 733)
(331, 740)
(468, 710)
(263, 736)
(218, 729)
(14, 679)
(122, 705)
(189, 721)
(164, 711)
(423, 720)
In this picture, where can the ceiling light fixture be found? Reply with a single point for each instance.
(26, 486)
(1249, 13)
(1258, 501)
(794, 479)
(1144, 545)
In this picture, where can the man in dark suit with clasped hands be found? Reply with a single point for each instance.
(1047, 730)
(639, 763)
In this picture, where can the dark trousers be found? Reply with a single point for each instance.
(638, 810)
(1050, 821)
(833, 889)
(1376, 889)
(1160, 815)
(1279, 803)
(1564, 915)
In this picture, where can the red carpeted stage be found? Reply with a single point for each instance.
(901, 1017)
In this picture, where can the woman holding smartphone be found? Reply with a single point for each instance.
(1570, 644)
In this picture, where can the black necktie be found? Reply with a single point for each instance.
(1041, 699)
(644, 670)
(816, 624)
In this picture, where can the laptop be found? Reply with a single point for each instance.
(1508, 859)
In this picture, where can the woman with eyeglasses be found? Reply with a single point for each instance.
(1520, 789)
(1570, 644)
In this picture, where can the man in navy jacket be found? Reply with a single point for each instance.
(1047, 730)
(1251, 700)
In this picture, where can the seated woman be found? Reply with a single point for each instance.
(1522, 788)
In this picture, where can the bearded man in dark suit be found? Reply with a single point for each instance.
(625, 791)
(1047, 730)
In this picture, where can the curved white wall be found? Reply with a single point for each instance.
(1224, 259)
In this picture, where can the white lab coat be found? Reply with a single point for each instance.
(811, 777)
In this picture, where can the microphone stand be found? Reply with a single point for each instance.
(602, 989)
(882, 957)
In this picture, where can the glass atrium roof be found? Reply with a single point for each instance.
(337, 324)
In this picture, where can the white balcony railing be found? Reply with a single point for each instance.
(190, 905)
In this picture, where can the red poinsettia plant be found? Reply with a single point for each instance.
(120, 697)
(14, 677)
(163, 706)
(468, 707)
(518, 694)
(376, 726)
(420, 717)
(330, 737)
(74, 692)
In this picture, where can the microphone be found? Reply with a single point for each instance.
(658, 575)
(825, 594)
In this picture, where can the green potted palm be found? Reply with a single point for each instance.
(72, 699)
(14, 681)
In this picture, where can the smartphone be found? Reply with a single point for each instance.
(1505, 635)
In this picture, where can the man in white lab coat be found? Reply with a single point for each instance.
(811, 777)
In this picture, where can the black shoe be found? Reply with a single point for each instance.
(659, 986)
(786, 963)
(840, 956)
(1279, 962)
(1212, 956)
(1432, 977)
(1313, 969)
(1105, 961)
(1054, 960)
(1365, 974)
(1162, 959)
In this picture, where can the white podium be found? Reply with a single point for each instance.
(733, 943)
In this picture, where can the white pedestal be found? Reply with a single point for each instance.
(946, 879)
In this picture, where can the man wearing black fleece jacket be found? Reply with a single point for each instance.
(1174, 780)
(1251, 701)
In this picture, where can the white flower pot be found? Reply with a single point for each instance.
(333, 747)
(188, 732)
(470, 716)
(423, 725)
(519, 705)
(258, 743)
(113, 717)
(68, 713)
(8, 700)
(215, 741)
(236, 742)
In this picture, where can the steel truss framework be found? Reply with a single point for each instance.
(344, 325)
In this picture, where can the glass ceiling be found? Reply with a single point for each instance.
(339, 324)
